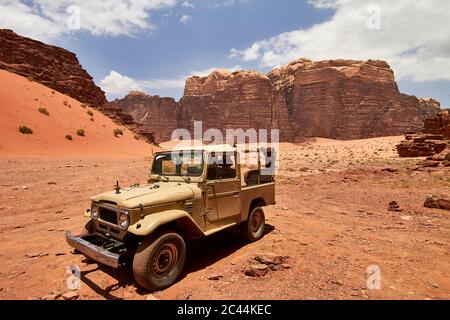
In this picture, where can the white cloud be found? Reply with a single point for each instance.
(414, 37)
(185, 19)
(188, 4)
(48, 19)
(118, 85)
(206, 72)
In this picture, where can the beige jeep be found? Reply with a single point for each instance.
(192, 193)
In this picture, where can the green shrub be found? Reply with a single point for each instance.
(81, 132)
(90, 113)
(118, 132)
(69, 137)
(25, 130)
(44, 111)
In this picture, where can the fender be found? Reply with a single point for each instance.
(150, 223)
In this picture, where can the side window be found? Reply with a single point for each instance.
(222, 166)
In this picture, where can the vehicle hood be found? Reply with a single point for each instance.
(148, 195)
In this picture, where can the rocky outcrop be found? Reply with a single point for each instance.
(338, 99)
(432, 140)
(157, 116)
(51, 66)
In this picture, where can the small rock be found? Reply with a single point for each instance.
(59, 211)
(271, 259)
(60, 254)
(406, 218)
(70, 295)
(285, 208)
(394, 207)
(36, 254)
(50, 297)
(215, 278)
(286, 266)
(32, 254)
(257, 270)
(151, 297)
(433, 284)
(25, 188)
(339, 283)
(51, 183)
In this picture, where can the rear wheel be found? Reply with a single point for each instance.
(253, 228)
(159, 261)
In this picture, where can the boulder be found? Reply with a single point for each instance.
(257, 270)
(437, 202)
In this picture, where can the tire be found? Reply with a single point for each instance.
(253, 229)
(159, 261)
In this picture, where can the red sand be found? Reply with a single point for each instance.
(20, 100)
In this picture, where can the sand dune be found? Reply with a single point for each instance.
(20, 100)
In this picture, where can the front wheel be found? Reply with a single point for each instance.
(159, 262)
(253, 229)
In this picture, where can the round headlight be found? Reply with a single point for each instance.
(124, 220)
(94, 212)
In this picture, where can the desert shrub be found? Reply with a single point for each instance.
(25, 130)
(69, 137)
(44, 111)
(81, 132)
(137, 137)
(118, 132)
(90, 113)
(65, 103)
(84, 105)
(92, 119)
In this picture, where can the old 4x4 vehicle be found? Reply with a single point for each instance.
(192, 193)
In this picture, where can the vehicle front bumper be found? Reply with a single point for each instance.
(92, 251)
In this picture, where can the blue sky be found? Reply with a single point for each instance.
(154, 45)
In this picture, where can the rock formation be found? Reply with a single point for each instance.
(338, 99)
(51, 66)
(432, 142)
(158, 116)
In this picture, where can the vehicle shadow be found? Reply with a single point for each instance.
(201, 254)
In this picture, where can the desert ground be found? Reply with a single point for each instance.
(331, 221)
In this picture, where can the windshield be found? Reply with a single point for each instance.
(186, 163)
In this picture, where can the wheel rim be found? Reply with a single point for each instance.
(256, 222)
(164, 260)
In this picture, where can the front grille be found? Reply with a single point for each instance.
(108, 215)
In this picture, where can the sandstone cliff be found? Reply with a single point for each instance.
(51, 66)
(339, 99)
